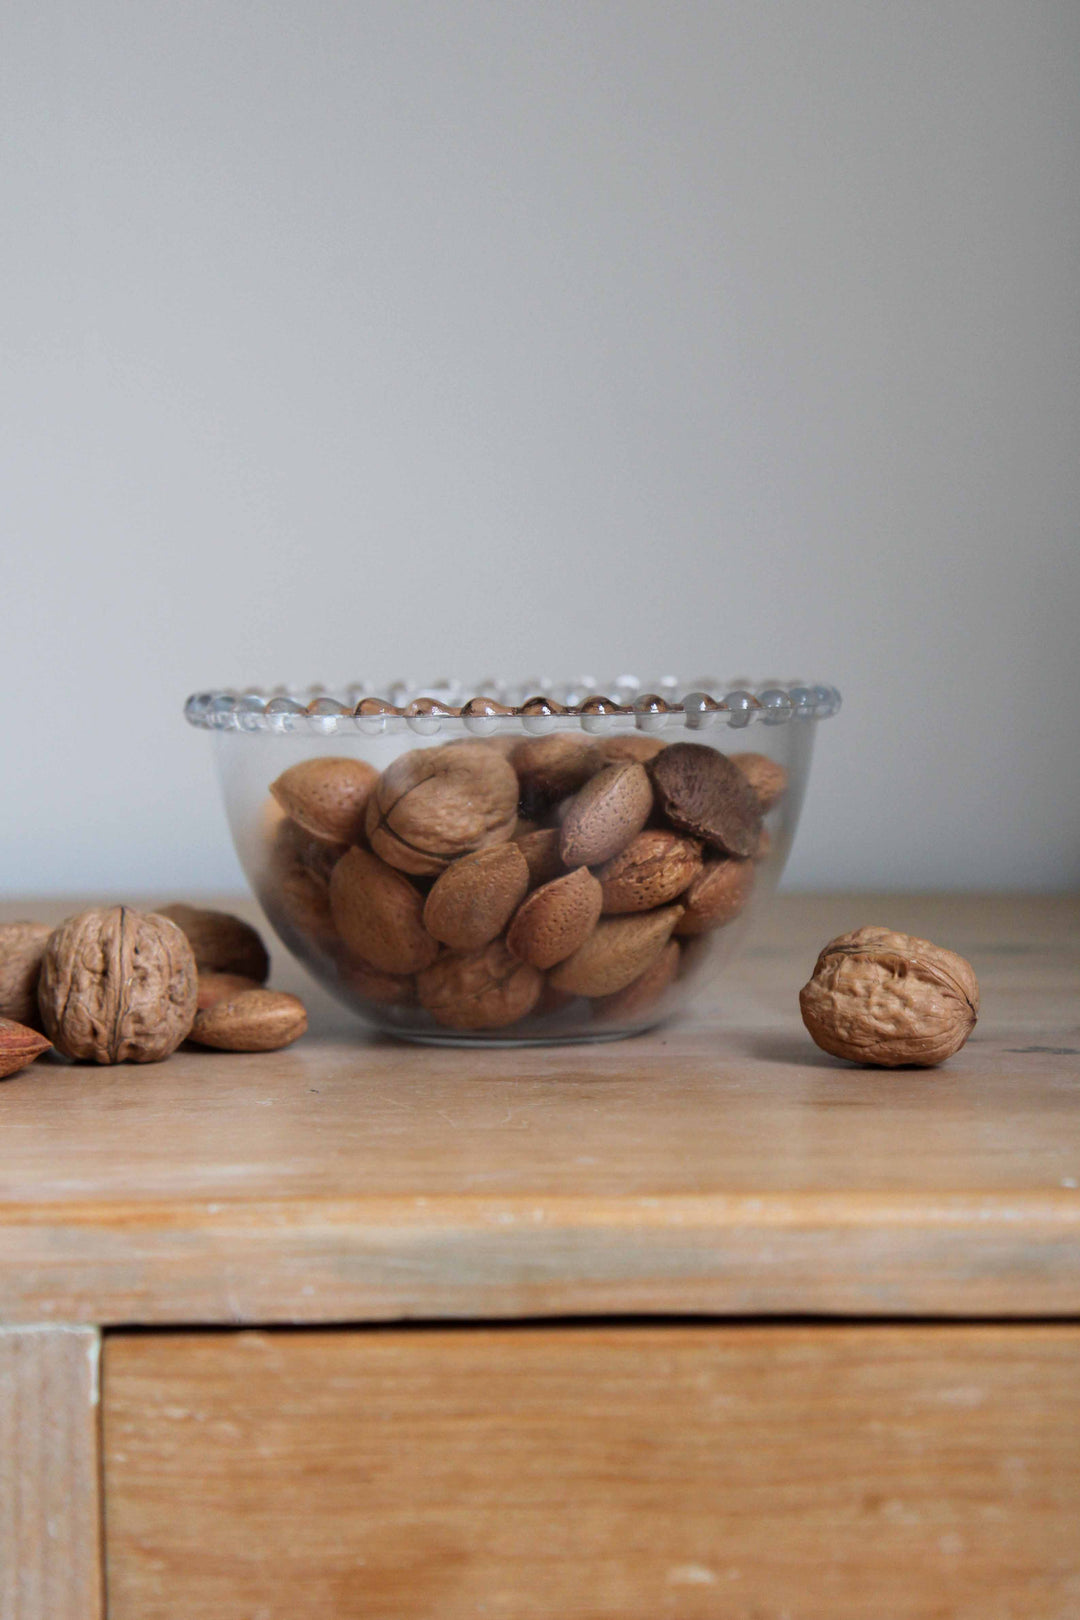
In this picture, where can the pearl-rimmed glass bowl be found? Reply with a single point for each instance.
(346, 854)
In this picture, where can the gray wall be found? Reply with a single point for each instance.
(358, 339)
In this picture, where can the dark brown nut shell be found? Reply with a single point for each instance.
(327, 796)
(892, 1000)
(553, 766)
(653, 869)
(22, 946)
(19, 1046)
(485, 989)
(220, 942)
(768, 779)
(215, 987)
(702, 793)
(434, 804)
(118, 986)
(379, 914)
(716, 896)
(291, 846)
(541, 851)
(642, 994)
(618, 951)
(605, 815)
(555, 919)
(253, 1021)
(473, 900)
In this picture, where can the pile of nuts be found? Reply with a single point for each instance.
(123, 986)
(480, 883)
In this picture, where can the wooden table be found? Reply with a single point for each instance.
(699, 1324)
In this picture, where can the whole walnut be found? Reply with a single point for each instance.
(118, 986)
(890, 999)
(434, 804)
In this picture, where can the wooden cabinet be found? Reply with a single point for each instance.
(701, 1324)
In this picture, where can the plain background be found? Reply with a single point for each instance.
(366, 339)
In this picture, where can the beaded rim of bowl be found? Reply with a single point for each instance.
(537, 704)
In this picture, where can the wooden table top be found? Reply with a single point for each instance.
(720, 1166)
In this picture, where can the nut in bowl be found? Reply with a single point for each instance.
(526, 864)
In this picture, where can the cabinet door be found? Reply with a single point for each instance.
(624, 1472)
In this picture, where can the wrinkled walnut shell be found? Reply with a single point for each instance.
(890, 999)
(118, 986)
(434, 804)
(22, 946)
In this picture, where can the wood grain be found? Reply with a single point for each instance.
(722, 1166)
(615, 1473)
(50, 1530)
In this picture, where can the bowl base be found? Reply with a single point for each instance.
(424, 1038)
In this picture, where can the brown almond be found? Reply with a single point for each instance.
(644, 992)
(768, 779)
(618, 951)
(628, 745)
(702, 793)
(327, 796)
(22, 946)
(484, 989)
(379, 914)
(215, 987)
(556, 919)
(653, 868)
(220, 942)
(252, 1021)
(359, 978)
(476, 896)
(541, 852)
(716, 896)
(434, 804)
(553, 766)
(606, 814)
(19, 1046)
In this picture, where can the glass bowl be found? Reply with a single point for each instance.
(538, 863)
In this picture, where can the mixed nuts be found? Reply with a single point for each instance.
(483, 885)
(116, 985)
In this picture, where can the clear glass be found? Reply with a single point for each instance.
(437, 792)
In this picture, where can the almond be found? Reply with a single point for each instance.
(716, 896)
(553, 766)
(252, 1021)
(628, 745)
(541, 852)
(215, 987)
(19, 1046)
(378, 914)
(653, 868)
(358, 978)
(434, 804)
(220, 942)
(22, 946)
(476, 896)
(618, 951)
(768, 779)
(484, 989)
(606, 814)
(642, 993)
(327, 796)
(702, 793)
(555, 919)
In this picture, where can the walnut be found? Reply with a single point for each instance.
(434, 804)
(889, 999)
(118, 986)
